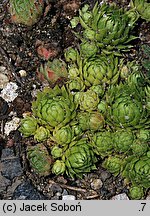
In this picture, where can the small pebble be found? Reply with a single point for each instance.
(65, 192)
(9, 92)
(105, 175)
(3, 80)
(96, 184)
(26, 191)
(148, 196)
(10, 164)
(122, 196)
(4, 183)
(68, 197)
(11, 125)
(23, 73)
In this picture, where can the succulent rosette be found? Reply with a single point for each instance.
(109, 25)
(41, 134)
(53, 71)
(136, 78)
(56, 152)
(137, 170)
(88, 100)
(58, 167)
(90, 121)
(75, 84)
(143, 8)
(102, 107)
(26, 12)
(77, 130)
(79, 158)
(136, 192)
(99, 89)
(63, 135)
(143, 134)
(71, 55)
(139, 147)
(101, 69)
(123, 140)
(88, 49)
(73, 71)
(28, 126)
(39, 159)
(131, 73)
(102, 143)
(54, 107)
(113, 164)
(126, 107)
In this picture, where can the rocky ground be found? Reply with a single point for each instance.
(19, 59)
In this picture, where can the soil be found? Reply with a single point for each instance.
(19, 51)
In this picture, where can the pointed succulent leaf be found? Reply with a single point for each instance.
(75, 84)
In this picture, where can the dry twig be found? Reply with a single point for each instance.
(68, 187)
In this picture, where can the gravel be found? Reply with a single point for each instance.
(25, 191)
(10, 164)
(122, 196)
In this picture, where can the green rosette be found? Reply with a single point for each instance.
(28, 126)
(79, 158)
(103, 144)
(39, 159)
(137, 170)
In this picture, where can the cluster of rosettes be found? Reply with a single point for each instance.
(100, 113)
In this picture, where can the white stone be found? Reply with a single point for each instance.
(96, 184)
(122, 196)
(148, 196)
(23, 73)
(11, 125)
(68, 197)
(9, 92)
